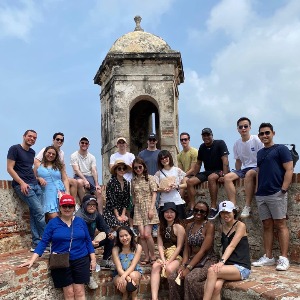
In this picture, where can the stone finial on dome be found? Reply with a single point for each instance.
(138, 20)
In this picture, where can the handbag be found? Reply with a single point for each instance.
(61, 260)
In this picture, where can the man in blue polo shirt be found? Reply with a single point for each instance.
(275, 172)
(20, 160)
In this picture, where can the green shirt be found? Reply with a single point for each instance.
(187, 158)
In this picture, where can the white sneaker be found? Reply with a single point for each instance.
(246, 212)
(264, 261)
(92, 284)
(282, 264)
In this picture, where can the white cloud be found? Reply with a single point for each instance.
(256, 72)
(18, 20)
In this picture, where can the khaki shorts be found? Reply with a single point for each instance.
(272, 206)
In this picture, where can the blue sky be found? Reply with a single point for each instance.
(240, 58)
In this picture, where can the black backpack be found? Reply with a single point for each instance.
(295, 155)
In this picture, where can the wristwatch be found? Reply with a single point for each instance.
(283, 191)
(222, 260)
(189, 267)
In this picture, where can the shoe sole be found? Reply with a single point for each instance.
(264, 265)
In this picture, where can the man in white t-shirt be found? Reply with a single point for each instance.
(245, 151)
(57, 142)
(85, 172)
(124, 155)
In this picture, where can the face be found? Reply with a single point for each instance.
(30, 138)
(227, 216)
(84, 145)
(165, 160)
(121, 169)
(121, 145)
(138, 169)
(169, 215)
(207, 138)
(184, 140)
(266, 135)
(244, 128)
(124, 237)
(91, 207)
(200, 211)
(58, 141)
(67, 210)
(50, 154)
(152, 143)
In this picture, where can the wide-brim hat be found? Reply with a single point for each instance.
(118, 163)
(169, 205)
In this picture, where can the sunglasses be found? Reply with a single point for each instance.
(164, 157)
(121, 142)
(84, 143)
(206, 134)
(200, 211)
(59, 140)
(243, 126)
(121, 168)
(138, 167)
(152, 140)
(68, 206)
(184, 140)
(262, 133)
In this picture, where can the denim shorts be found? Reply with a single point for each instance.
(245, 273)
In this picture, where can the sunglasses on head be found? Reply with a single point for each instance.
(262, 133)
(59, 140)
(184, 140)
(243, 126)
(68, 206)
(122, 168)
(200, 211)
(84, 143)
(138, 167)
(164, 157)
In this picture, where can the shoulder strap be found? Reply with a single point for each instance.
(231, 228)
(275, 147)
(164, 173)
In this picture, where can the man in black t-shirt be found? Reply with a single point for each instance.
(214, 155)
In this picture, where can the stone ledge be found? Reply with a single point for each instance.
(22, 283)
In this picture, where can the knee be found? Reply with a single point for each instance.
(227, 178)
(212, 179)
(268, 224)
(73, 182)
(80, 183)
(280, 224)
(69, 292)
(147, 235)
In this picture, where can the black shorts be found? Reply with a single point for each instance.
(180, 210)
(90, 179)
(78, 272)
(203, 176)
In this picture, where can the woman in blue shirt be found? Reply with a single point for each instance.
(58, 232)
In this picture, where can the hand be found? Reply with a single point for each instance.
(42, 181)
(221, 179)
(184, 273)
(98, 188)
(95, 244)
(124, 218)
(150, 214)
(24, 188)
(93, 265)
(28, 263)
(111, 236)
(86, 184)
(121, 282)
(181, 268)
(167, 190)
(120, 219)
(217, 267)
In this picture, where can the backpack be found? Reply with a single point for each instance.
(295, 155)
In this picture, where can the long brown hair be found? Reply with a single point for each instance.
(139, 161)
(56, 163)
(163, 224)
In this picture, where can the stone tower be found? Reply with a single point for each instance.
(139, 80)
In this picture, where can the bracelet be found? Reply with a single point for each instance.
(189, 267)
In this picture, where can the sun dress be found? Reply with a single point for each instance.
(50, 190)
(142, 191)
(126, 260)
(116, 198)
(193, 287)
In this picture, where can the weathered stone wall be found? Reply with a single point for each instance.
(15, 231)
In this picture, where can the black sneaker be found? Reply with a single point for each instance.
(190, 214)
(212, 214)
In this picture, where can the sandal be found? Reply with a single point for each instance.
(145, 262)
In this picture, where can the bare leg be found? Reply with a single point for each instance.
(249, 186)
(150, 241)
(80, 189)
(191, 189)
(73, 187)
(155, 280)
(79, 291)
(69, 292)
(229, 186)
(283, 236)
(213, 189)
(99, 201)
(143, 242)
(268, 234)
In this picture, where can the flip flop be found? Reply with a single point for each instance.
(145, 262)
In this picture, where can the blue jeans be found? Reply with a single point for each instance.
(34, 200)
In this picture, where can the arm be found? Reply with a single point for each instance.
(238, 164)
(10, 169)
(160, 246)
(197, 167)
(191, 170)
(137, 256)
(186, 253)
(153, 189)
(79, 174)
(180, 233)
(30, 261)
(225, 162)
(287, 179)
(65, 179)
(40, 180)
(95, 176)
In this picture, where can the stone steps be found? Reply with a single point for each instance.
(35, 283)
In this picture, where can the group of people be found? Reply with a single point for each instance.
(147, 190)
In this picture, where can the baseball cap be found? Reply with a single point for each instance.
(227, 206)
(67, 200)
(84, 138)
(206, 130)
(152, 136)
(121, 139)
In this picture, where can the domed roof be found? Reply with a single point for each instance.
(139, 41)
